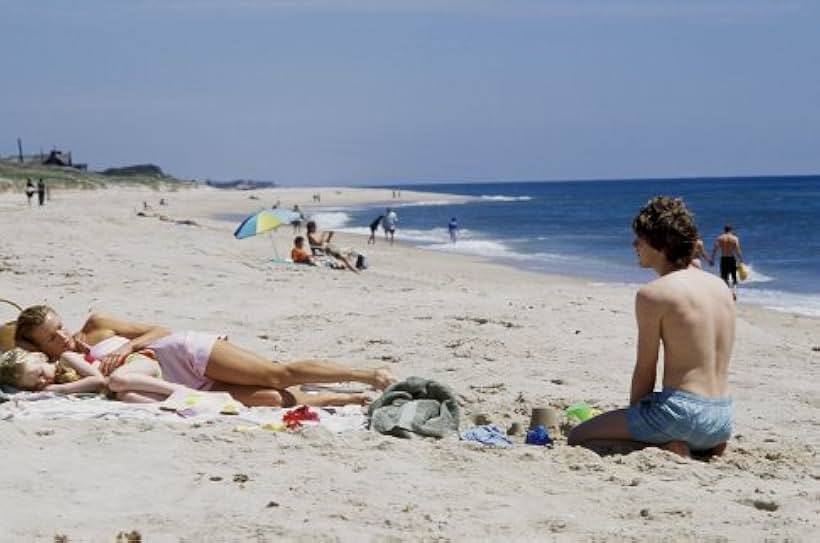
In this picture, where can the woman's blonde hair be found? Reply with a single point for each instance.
(29, 319)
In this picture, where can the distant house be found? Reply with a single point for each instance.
(58, 158)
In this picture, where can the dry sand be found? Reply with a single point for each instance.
(506, 341)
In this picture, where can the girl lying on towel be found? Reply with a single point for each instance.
(137, 381)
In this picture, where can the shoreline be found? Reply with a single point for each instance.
(758, 296)
(505, 340)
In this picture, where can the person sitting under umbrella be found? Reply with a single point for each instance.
(321, 240)
(197, 360)
(299, 254)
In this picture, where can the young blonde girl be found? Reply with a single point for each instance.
(138, 380)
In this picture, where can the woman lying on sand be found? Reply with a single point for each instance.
(193, 359)
(137, 381)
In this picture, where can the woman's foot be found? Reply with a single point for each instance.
(382, 379)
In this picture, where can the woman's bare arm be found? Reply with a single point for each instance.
(140, 335)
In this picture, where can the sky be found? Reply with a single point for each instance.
(312, 92)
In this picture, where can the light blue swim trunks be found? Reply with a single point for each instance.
(676, 415)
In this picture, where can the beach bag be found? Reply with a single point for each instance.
(742, 271)
(361, 262)
(7, 329)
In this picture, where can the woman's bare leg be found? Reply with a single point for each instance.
(229, 364)
(252, 396)
(325, 399)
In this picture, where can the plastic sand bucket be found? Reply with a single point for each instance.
(581, 411)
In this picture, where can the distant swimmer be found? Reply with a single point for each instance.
(729, 245)
(452, 228)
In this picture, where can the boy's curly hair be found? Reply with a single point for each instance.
(668, 226)
(11, 366)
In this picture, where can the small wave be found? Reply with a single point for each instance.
(756, 276)
(502, 198)
(428, 203)
(477, 247)
(788, 302)
(330, 220)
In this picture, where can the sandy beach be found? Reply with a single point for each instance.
(505, 340)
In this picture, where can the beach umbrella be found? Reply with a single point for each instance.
(265, 220)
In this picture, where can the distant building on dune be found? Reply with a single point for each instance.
(58, 158)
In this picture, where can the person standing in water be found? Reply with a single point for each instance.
(389, 222)
(452, 228)
(729, 245)
(374, 225)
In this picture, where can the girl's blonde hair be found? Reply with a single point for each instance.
(11, 366)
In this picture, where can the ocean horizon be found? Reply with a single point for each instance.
(583, 228)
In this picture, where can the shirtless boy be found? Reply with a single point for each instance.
(692, 314)
(729, 246)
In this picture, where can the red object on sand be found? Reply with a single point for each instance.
(293, 418)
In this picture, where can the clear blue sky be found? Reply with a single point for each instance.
(390, 91)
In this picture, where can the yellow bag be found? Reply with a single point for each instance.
(7, 329)
(742, 271)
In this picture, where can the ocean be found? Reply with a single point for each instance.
(583, 228)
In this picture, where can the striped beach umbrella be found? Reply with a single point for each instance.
(264, 221)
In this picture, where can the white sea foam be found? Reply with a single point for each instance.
(424, 204)
(789, 302)
(502, 198)
(329, 219)
(756, 276)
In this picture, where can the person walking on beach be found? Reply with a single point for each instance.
(691, 314)
(452, 228)
(374, 225)
(41, 191)
(297, 223)
(389, 222)
(729, 245)
(30, 190)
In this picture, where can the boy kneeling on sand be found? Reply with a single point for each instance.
(692, 313)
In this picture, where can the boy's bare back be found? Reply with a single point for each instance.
(696, 316)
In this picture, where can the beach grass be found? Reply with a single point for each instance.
(13, 176)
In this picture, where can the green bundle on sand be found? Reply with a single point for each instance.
(416, 406)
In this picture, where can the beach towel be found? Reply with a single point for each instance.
(416, 406)
(185, 407)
